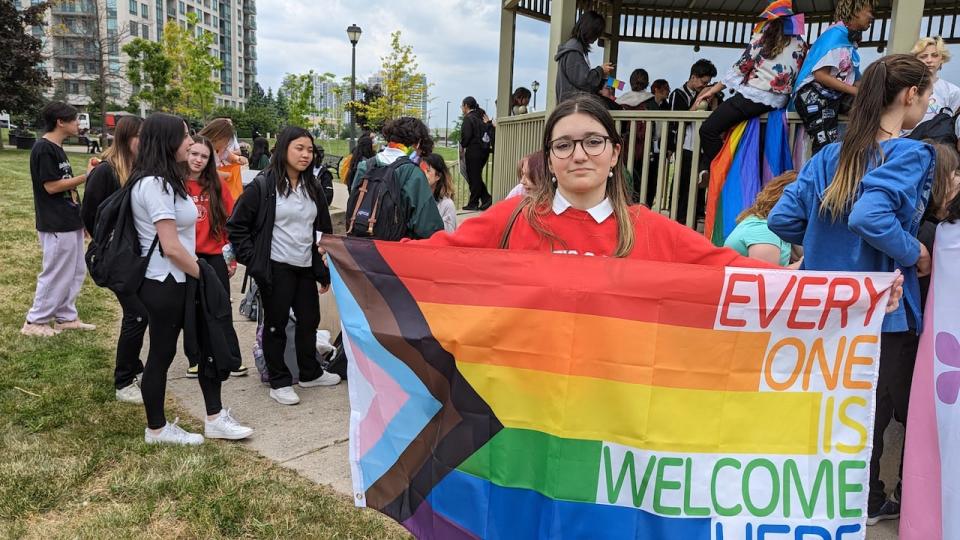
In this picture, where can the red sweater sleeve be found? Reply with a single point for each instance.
(483, 231)
(690, 247)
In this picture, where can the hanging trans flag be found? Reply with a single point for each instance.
(616, 84)
(518, 394)
(931, 498)
(739, 172)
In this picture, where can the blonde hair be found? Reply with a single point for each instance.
(847, 9)
(119, 155)
(935, 41)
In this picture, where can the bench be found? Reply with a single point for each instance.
(331, 160)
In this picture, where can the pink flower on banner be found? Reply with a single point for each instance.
(948, 352)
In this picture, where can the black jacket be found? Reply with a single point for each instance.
(573, 73)
(250, 228)
(208, 325)
(471, 131)
(101, 183)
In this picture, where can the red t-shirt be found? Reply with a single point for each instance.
(657, 238)
(207, 244)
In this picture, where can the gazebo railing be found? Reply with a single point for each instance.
(520, 135)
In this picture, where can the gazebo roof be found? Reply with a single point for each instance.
(728, 23)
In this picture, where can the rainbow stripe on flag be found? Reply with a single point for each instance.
(616, 84)
(740, 171)
(932, 451)
(511, 394)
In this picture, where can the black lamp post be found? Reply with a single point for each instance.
(535, 86)
(353, 32)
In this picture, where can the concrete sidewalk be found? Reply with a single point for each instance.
(311, 438)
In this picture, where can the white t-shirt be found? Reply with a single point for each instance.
(945, 95)
(152, 203)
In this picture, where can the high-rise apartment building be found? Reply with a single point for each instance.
(417, 104)
(77, 30)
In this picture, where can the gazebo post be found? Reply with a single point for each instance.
(904, 25)
(611, 46)
(563, 15)
(508, 31)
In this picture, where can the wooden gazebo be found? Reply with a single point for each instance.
(696, 23)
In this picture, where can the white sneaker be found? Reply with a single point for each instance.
(327, 379)
(225, 426)
(285, 395)
(130, 394)
(172, 434)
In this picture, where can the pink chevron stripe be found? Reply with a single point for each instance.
(387, 400)
(921, 516)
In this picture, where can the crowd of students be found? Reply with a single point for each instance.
(868, 203)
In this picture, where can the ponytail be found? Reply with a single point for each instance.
(881, 84)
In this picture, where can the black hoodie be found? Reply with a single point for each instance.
(574, 73)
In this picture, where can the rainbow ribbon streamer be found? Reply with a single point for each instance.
(738, 173)
(615, 83)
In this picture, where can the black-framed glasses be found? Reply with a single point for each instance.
(593, 145)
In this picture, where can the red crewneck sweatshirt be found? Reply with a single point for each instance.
(657, 238)
(207, 243)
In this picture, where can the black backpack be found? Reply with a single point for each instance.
(375, 208)
(113, 256)
(941, 128)
(488, 135)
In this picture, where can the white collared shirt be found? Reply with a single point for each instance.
(293, 228)
(599, 213)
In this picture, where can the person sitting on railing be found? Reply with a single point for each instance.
(826, 84)
(762, 78)
(574, 73)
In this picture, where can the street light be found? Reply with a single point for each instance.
(446, 128)
(353, 32)
(535, 86)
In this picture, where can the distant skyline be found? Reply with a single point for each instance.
(456, 47)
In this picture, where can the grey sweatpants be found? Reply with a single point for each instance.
(60, 278)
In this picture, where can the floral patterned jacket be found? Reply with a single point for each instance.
(775, 75)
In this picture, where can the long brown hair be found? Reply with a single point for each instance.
(209, 181)
(542, 195)
(444, 186)
(535, 168)
(947, 164)
(882, 83)
(768, 196)
(773, 39)
(219, 130)
(119, 155)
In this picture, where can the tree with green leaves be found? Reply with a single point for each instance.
(403, 85)
(149, 70)
(298, 92)
(193, 66)
(23, 79)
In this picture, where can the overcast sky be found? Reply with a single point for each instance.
(455, 42)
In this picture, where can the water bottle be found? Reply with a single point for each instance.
(228, 255)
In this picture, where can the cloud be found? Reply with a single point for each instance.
(456, 44)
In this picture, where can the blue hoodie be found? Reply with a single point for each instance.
(878, 234)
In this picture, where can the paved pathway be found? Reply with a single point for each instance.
(311, 438)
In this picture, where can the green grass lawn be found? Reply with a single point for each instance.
(72, 460)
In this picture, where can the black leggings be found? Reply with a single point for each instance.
(730, 113)
(475, 159)
(898, 354)
(165, 306)
(294, 288)
(133, 325)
